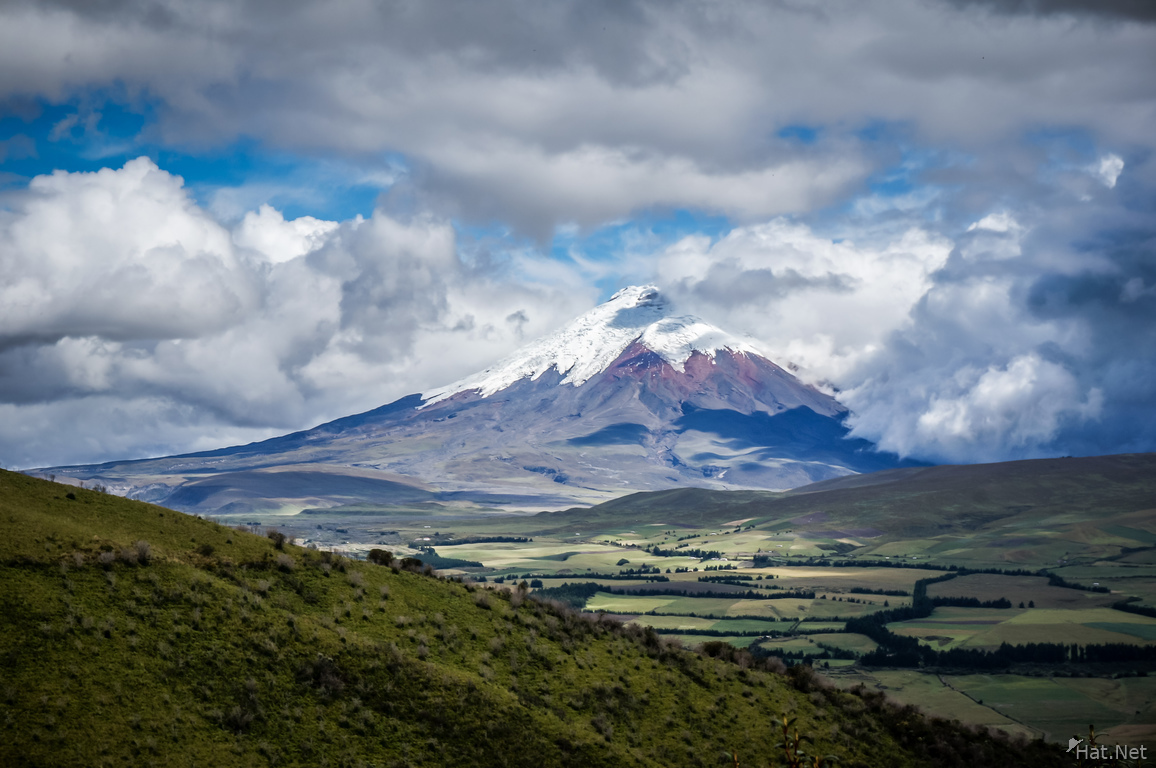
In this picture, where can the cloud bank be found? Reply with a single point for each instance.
(537, 114)
(941, 211)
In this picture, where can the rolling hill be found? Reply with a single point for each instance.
(1036, 511)
(130, 633)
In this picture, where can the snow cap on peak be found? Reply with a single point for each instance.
(588, 345)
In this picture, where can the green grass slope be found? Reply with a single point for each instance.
(1048, 506)
(211, 646)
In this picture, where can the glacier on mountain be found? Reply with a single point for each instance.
(588, 345)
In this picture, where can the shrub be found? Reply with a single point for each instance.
(285, 563)
(106, 559)
(380, 557)
(206, 549)
(238, 719)
(144, 552)
(276, 537)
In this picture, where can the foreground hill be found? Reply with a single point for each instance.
(134, 634)
(1039, 511)
(629, 396)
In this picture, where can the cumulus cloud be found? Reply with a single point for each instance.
(1029, 345)
(125, 309)
(266, 232)
(1005, 411)
(1014, 339)
(819, 304)
(122, 255)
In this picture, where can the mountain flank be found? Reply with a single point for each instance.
(131, 633)
(628, 397)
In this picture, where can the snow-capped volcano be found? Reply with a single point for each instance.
(589, 345)
(630, 396)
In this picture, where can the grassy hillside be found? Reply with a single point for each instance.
(1038, 511)
(211, 646)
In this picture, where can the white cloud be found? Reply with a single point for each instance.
(1001, 410)
(266, 231)
(1109, 169)
(1002, 222)
(819, 304)
(119, 254)
(121, 296)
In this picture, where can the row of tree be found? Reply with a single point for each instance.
(900, 651)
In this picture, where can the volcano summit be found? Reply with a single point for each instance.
(628, 397)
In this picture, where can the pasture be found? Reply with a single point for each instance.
(1061, 706)
(949, 627)
(1020, 589)
(933, 695)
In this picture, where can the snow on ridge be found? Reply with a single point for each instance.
(588, 345)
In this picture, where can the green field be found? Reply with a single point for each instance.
(933, 695)
(1062, 707)
(989, 627)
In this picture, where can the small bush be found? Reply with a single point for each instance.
(106, 559)
(285, 563)
(143, 552)
(380, 557)
(206, 550)
(277, 538)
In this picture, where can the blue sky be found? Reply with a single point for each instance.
(222, 222)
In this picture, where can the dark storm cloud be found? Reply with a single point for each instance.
(1140, 10)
